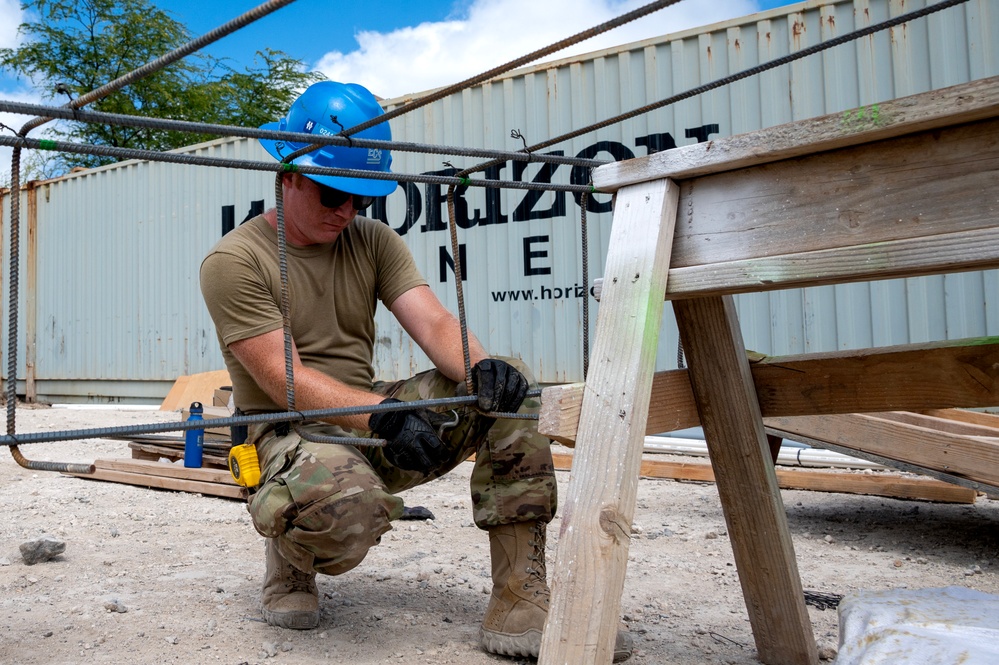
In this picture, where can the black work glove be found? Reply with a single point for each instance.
(413, 444)
(499, 385)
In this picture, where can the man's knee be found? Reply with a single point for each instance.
(334, 535)
(326, 510)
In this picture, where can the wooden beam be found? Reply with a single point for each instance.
(888, 485)
(143, 479)
(913, 377)
(201, 474)
(962, 103)
(747, 485)
(671, 407)
(592, 555)
(914, 205)
(973, 457)
(961, 415)
(874, 260)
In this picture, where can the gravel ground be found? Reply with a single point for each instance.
(151, 576)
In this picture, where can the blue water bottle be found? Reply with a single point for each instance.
(194, 440)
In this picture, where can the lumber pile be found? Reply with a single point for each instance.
(890, 485)
(157, 459)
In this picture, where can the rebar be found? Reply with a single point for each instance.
(122, 120)
(294, 416)
(166, 59)
(280, 167)
(15, 221)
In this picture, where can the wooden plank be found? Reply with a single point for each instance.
(888, 485)
(166, 470)
(161, 482)
(194, 388)
(972, 457)
(153, 452)
(939, 424)
(747, 484)
(912, 377)
(939, 108)
(671, 407)
(944, 253)
(973, 417)
(592, 556)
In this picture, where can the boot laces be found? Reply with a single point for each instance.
(299, 581)
(537, 574)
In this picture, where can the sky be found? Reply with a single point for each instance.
(395, 47)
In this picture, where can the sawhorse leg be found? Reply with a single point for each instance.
(740, 455)
(588, 576)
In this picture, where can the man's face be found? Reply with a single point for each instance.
(319, 214)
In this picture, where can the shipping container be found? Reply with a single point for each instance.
(110, 308)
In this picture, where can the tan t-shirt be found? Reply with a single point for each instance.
(333, 290)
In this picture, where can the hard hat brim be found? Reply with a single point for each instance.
(360, 186)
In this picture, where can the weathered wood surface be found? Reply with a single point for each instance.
(879, 484)
(166, 476)
(926, 111)
(588, 576)
(973, 457)
(914, 205)
(194, 388)
(747, 485)
(973, 417)
(900, 378)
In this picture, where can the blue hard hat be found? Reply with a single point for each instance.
(313, 113)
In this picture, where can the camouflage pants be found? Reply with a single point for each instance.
(327, 504)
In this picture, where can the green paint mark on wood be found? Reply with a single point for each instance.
(863, 118)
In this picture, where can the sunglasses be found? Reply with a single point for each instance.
(334, 198)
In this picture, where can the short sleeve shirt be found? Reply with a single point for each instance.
(334, 291)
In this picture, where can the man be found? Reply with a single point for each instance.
(321, 506)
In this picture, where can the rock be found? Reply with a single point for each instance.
(287, 646)
(115, 606)
(172, 639)
(416, 513)
(827, 653)
(41, 549)
(270, 649)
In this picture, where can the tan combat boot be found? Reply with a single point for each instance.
(518, 606)
(290, 598)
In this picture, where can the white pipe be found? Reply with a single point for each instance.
(788, 456)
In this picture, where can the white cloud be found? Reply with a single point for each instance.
(11, 12)
(494, 32)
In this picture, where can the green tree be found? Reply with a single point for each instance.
(84, 44)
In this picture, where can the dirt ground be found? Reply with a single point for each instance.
(186, 569)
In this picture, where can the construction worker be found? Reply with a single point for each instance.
(321, 506)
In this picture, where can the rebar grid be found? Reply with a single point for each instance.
(122, 120)
(295, 416)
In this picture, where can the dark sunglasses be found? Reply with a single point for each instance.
(334, 198)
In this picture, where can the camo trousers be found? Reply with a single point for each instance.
(327, 504)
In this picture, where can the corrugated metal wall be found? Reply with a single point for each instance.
(119, 313)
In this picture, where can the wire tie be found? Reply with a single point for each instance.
(465, 181)
(46, 144)
(289, 168)
(10, 129)
(350, 143)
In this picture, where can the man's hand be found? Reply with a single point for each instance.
(499, 385)
(413, 445)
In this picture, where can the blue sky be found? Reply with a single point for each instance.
(395, 47)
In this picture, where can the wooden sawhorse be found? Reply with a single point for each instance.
(904, 188)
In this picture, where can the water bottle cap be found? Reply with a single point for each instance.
(196, 407)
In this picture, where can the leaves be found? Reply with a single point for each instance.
(84, 44)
